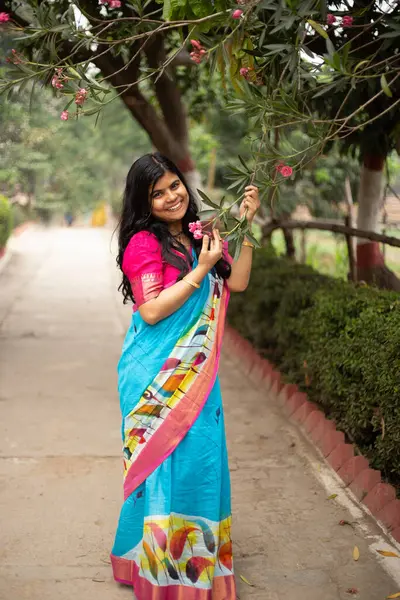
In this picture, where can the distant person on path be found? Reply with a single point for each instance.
(69, 218)
(173, 540)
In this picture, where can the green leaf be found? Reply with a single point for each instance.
(252, 239)
(231, 236)
(385, 87)
(205, 215)
(318, 28)
(336, 61)
(324, 9)
(238, 247)
(390, 34)
(360, 64)
(324, 90)
(345, 53)
(262, 37)
(207, 200)
(307, 51)
(244, 164)
(330, 47)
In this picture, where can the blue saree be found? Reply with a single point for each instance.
(173, 540)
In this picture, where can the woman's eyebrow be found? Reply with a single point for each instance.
(157, 190)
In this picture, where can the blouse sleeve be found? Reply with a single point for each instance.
(142, 264)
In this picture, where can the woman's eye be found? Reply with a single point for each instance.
(156, 194)
(175, 185)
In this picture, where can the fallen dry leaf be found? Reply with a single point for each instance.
(396, 595)
(388, 553)
(356, 553)
(332, 496)
(243, 578)
(353, 591)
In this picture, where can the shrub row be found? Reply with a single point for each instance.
(340, 343)
(6, 221)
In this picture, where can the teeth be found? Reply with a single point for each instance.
(176, 207)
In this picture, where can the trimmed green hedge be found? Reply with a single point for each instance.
(6, 221)
(338, 342)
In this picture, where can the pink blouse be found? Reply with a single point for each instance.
(145, 268)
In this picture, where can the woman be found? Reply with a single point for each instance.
(173, 540)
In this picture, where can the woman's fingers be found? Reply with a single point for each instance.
(205, 244)
(216, 242)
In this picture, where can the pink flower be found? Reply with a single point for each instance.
(196, 229)
(56, 83)
(64, 115)
(279, 167)
(4, 17)
(244, 71)
(15, 58)
(347, 21)
(81, 96)
(241, 2)
(237, 13)
(286, 171)
(198, 52)
(195, 57)
(195, 226)
(115, 3)
(330, 19)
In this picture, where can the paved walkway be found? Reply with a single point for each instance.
(61, 474)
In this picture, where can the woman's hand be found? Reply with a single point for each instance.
(250, 203)
(211, 250)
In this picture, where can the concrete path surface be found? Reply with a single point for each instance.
(62, 325)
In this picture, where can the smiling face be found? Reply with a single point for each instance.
(169, 199)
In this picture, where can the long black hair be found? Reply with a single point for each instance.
(136, 215)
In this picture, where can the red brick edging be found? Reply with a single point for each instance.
(364, 482)
(21, 228)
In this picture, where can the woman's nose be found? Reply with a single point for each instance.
(171, 195)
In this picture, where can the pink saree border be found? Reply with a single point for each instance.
(127, 573)
(166, 439)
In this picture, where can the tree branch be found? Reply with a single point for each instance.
(334, 227)
(135, 101)
(167, 92)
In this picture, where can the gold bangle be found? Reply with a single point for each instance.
(248, 244)
(192, 283)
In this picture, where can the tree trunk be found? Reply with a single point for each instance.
(289, 239)
(370, 262)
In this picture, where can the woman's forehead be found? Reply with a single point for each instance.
(165, 181)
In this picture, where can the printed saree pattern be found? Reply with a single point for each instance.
(173, 539)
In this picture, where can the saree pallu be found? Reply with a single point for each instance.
(173, 540)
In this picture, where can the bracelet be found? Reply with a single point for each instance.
(192, 283)
(248, 244)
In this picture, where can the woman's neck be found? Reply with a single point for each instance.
(175, 228)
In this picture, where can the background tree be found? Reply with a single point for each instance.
(331, 69)
(117, 39)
